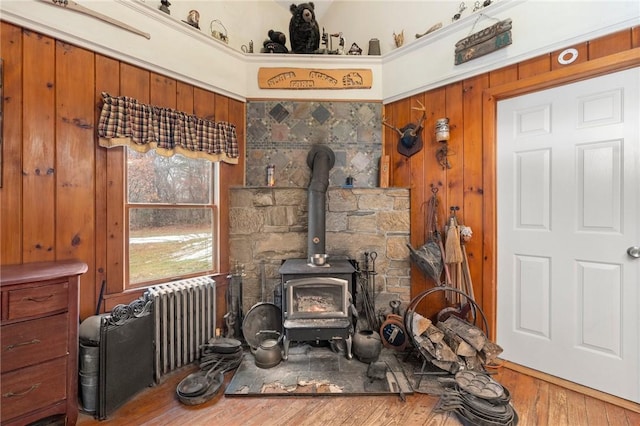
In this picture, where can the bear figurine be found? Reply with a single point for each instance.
(276, 43)
(304, 32)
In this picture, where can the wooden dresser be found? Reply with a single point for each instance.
(39, 341)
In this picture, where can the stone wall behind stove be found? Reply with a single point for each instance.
(269, 225)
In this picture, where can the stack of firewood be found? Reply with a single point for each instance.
(453, 344)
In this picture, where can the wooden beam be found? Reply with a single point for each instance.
(71, 5)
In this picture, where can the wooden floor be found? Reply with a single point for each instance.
(537, 402)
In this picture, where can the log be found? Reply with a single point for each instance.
(425, 345)
(468, 332)
(457, 343)
(490, 351)
(450, 366)
(419, 324)
(434, 334)
(473, 363)
(445, 353)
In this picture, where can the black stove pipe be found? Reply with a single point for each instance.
(320, 159)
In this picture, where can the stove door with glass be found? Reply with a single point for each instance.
(315, 309)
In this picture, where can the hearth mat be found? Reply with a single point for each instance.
(314, 370)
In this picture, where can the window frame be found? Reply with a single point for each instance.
(215, 215)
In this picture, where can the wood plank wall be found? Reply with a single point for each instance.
(469, 183)
(57, 199)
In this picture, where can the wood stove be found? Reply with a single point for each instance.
(317, 302)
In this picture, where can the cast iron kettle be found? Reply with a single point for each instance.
(268, 354)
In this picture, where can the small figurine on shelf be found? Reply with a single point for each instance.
(193, 19)
(355, 50)
(164, 6)
(304, 31)
(398, 38)
(462, 8)
(276, 43)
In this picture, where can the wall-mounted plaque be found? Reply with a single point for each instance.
(312, 78)
(486, 41)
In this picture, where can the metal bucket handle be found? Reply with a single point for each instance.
(222, 36)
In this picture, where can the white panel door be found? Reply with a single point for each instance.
(568, 173)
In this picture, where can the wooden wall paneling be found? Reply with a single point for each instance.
(162, 91)
(11, 191)
(436, 101)
(454, 190)
(75, 163)
(453, 195)
(115, 221)
(434, 176)
(39, 174)
(418, 178)
(184, 97)
(204, 104)
(534, 66)
(107, 80)
(503, 75)
(401, 165)
(134, 82)
(610, 44)
(489, 215)
(473, 188)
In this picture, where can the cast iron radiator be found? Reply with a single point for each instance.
(184, 318)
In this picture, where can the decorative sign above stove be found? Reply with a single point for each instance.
(311, 78)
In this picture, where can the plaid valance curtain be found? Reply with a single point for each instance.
(125, 121)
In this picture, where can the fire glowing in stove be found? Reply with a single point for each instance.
(320, 303)
(317, 298)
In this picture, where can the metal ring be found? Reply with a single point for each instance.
(408, 315)
(568, 56)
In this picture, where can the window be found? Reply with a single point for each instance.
(172, 217)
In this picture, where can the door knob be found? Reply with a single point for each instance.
(634, 251)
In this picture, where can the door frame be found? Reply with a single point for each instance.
(490, 98)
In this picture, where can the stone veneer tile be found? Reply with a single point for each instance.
(321, 114)
(348, 128)
(279, 113)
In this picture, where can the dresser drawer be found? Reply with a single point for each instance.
(30, 342)
(39, 300)
(32, 388)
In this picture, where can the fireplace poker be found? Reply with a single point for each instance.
(373, 255)
(395, 378)
(367, 306)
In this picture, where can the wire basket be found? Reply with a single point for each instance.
(219, 31)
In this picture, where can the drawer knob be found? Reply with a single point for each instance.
(16, 345)
(23, 393)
